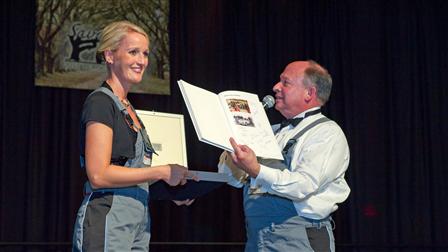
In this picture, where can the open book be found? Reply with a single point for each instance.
(237, 114)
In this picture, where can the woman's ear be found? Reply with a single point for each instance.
(109, 57)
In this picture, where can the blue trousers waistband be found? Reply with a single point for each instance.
(137, 192)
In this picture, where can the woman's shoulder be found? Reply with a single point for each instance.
(99, 99)
(99, 106)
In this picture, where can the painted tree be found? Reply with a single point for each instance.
(50, 18)
(151, 15)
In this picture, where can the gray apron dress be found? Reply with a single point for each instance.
(116, 219)
(272, 222)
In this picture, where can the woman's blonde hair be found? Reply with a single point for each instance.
(113, 33)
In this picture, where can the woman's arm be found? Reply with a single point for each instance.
(102, 174)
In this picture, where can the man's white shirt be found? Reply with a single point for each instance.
(314, 181)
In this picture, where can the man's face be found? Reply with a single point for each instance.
(290, 94)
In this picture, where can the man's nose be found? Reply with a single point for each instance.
(276, 87)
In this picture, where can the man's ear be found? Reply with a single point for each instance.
(311, 94)
(109, 57)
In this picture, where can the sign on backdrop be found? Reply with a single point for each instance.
(67, 35)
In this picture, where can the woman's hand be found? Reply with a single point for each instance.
(176, 175)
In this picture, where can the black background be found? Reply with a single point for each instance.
(388, 59)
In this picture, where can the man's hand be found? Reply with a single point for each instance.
(186, 202)
(244, 157)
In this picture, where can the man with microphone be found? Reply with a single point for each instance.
(288, 204)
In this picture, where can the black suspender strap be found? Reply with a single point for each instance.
(294, 139)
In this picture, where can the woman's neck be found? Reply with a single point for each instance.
(119, 89)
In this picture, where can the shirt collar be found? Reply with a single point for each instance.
(304, 112)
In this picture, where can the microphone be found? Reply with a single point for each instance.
(268, 102)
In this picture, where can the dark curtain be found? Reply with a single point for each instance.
(388, 59)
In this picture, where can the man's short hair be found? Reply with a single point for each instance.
(318, 76)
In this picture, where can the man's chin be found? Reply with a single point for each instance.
(278, 106)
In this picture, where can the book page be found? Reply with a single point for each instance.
(207, 115)
(249, 123)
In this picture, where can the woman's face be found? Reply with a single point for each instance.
(130, 59)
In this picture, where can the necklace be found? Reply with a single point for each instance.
(125, 102)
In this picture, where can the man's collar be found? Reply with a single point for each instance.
(306, 111)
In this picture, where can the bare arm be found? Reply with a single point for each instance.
(102, 174)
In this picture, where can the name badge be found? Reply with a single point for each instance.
(147, 158)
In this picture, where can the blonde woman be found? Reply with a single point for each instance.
(116, 152)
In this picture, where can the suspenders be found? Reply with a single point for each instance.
(274, 163)
(294, 139)
(147, 143)
(281, 165)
